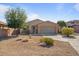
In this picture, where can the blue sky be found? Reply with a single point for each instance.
(45, 11)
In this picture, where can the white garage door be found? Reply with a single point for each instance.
(46, 31)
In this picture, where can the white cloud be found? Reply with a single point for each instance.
(76, 6)
(3, 8)
(33, 16)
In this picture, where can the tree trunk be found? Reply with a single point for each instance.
(17, 32)
(30, 37)
(67, 35)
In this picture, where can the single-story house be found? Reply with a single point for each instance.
(43, 27)
(74, 24)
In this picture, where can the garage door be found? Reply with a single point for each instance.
(47, 31)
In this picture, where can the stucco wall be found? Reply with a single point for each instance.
(2, 33)
(6, 32)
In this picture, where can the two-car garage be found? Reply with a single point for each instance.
(47, 28)
(46, 31)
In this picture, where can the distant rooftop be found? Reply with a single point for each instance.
(2, 23)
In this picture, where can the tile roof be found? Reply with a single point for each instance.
(35, 22)
(38, 21)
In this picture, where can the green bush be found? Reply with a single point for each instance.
(48, 41)
(67, 31)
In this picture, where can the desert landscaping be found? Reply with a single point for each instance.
(18, 47)
(24, 36)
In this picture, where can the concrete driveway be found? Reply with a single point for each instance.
(73, 41)
(59, 37)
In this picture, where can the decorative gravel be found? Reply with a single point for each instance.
(11, 47)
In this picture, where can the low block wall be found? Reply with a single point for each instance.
(3, 33)
(6, 32)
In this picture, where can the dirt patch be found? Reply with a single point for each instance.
(32, 48)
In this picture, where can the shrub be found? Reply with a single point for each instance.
(67, 31)
(47, 41)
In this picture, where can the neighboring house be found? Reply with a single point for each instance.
(43, 27)
(2, 30)
(5, 31)
(2, 25)
(74, 24)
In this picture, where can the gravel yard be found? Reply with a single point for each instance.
(11, 47)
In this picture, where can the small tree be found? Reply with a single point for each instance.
(25, 26)
(15, 18)
(67, 31)
(61, 23)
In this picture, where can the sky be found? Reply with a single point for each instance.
(44, 11)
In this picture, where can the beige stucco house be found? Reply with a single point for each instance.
(43, 27)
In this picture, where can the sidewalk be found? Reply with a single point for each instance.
(74, 42)
(58, 37)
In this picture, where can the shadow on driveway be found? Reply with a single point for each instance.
(70, 37)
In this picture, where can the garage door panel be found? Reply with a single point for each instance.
(47, 31)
